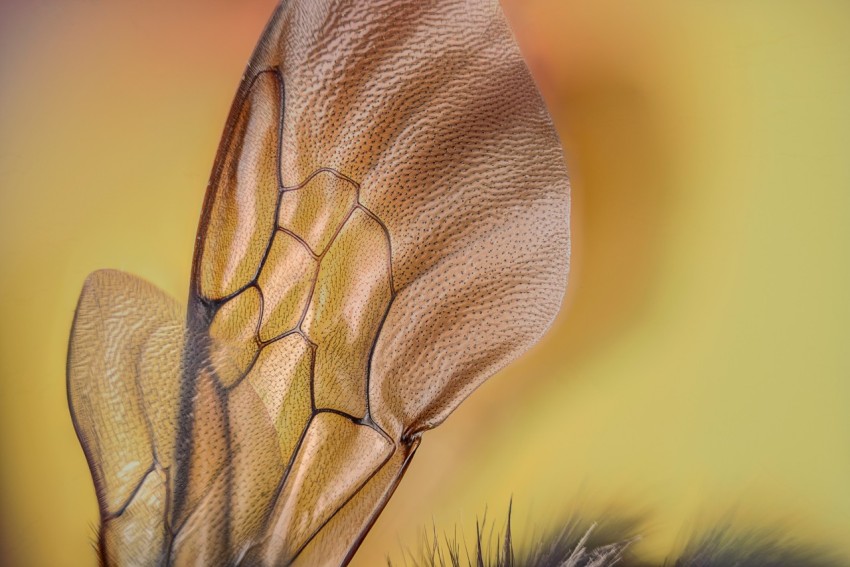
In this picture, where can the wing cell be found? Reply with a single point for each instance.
(337, 458)
(245, 193)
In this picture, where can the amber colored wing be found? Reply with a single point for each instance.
(385, 227)
(123, 376)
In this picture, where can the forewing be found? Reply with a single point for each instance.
(429, 110)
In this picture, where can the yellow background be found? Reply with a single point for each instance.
(701, 366)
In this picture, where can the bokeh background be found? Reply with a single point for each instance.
(701, 368)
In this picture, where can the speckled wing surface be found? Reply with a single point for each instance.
(385, 227)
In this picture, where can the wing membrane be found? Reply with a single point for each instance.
(373, 245)
(123, 370)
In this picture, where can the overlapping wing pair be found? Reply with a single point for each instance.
(386, 226)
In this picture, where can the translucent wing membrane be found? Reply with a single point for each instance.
(386, 226)
(123, 378)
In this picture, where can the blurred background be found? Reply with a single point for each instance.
(700, 371)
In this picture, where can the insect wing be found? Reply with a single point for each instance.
(416, 242)
(386, 226)
(123, 377)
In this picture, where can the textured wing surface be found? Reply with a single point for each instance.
(123, 376)
(392, 195)
(430, 110)
(385, 227)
